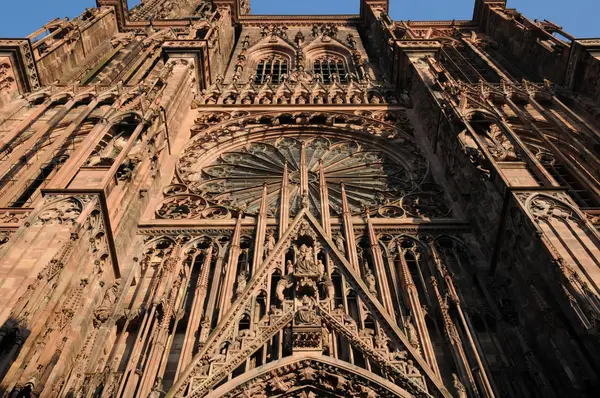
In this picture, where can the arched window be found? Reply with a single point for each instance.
(274, 67)
(328, 65)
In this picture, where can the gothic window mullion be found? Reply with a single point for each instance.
(271, 68)
(328, 66)
(418, 257)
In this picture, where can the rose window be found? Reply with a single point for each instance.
(237, 179)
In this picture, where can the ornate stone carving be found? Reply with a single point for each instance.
(182, 207)
(305, 265)
(63, 212)
(245, 169)
(105, 309)
(307, 314)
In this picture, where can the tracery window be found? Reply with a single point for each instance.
(271, 69)
(328, 65)
(238, 177)
(565, 177)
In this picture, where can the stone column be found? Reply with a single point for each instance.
(261, 229)
(325, 215)
(382, 282)
(196, 313)
(412, 300)
(456, 346)
(232, 262)
(349, 232)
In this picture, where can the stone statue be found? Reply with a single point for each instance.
(320, 267)
(284, 283)
(204, 331)
(269, 244)
(370, 281)
(305, 200)
(399, 356)
(411, 332)
(325, 337)
(339, 243)
(306, 262)
(156, 389)
(289, 267)
(275, 311)
(307, 314)
(328, 286)
(346, 318)
(411, 370)
(103, 311)
(241, 283)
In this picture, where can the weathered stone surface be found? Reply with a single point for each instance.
(197, 201)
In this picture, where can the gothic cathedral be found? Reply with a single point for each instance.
(196, 201)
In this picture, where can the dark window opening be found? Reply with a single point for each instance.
(271, 70)
(327, 67)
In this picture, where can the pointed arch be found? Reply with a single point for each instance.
(333, 48)
(282, 55)
(334, 379)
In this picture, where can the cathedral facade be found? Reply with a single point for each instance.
(196, 201)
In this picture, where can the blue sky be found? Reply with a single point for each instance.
(579, 17)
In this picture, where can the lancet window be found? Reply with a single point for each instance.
(272, 69)
(564, 176)
(329, 67)
(466, 65)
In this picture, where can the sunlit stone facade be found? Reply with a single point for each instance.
(196, 201)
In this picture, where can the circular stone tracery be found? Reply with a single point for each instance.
(236, 179)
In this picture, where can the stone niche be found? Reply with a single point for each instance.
(8, 84)
(18, 72)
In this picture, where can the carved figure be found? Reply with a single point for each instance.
(368, 392)
(63, 212)
(284, 283)
(276, 311)
(307, 315)
(269, 244)
(279, 385)
(103, 311)
(370, 281)
(411, 370)
(306, 262)
(204, 331)
(329, 287)
(411, 332)
(156, 389)
(340, 243)
(320, 267)
(241, 283)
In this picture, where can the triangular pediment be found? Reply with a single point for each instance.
(304, 306)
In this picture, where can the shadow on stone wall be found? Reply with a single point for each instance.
(12, 337)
